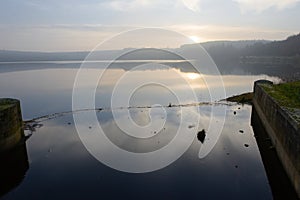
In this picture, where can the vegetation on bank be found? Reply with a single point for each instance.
(286, 94)
(242, 98)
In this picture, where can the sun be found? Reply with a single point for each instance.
(195, 39)
(192, 76)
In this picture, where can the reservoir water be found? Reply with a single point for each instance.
(55, 163)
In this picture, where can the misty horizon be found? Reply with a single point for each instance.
(250, 41)
(80, 26)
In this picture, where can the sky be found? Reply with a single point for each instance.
(80, 25)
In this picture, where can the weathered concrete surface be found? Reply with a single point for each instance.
(278, 179)
(283, 131)
(10, 124)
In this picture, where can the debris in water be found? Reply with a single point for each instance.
(32, 127)
(236, 166)
(90, 127)
(201, 136)
(37, 125)
(241, 131)
(26, 137)
(191, 126)
(246, 145)
(154, 132)
(227, 154)
(69, 123)
(170, 105)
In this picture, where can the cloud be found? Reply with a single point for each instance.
(217, 32)
(122, 5)
(56, 37)
(261, 5)
(193, 5)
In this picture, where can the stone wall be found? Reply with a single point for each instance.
(10, 123)
(282, 129)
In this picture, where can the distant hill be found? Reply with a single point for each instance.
(14, 56)
(280, 58)
(223, 52)
(247, 56)
(236, 44)
(141, 54)
(288, 47)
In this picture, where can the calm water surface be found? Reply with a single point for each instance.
(61, 167)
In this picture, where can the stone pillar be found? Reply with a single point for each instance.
(11, 131)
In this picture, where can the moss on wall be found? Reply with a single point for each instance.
(10, 123)
(286, 94)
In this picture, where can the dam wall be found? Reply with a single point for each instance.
(283, 130)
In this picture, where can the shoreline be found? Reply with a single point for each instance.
(245, 98)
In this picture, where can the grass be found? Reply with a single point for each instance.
(242, 98)
(286, 94)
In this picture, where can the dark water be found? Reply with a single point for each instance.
(61, 167)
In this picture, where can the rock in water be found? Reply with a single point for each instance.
(201, 136)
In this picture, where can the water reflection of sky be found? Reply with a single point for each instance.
(61, 167)
(50, 90)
